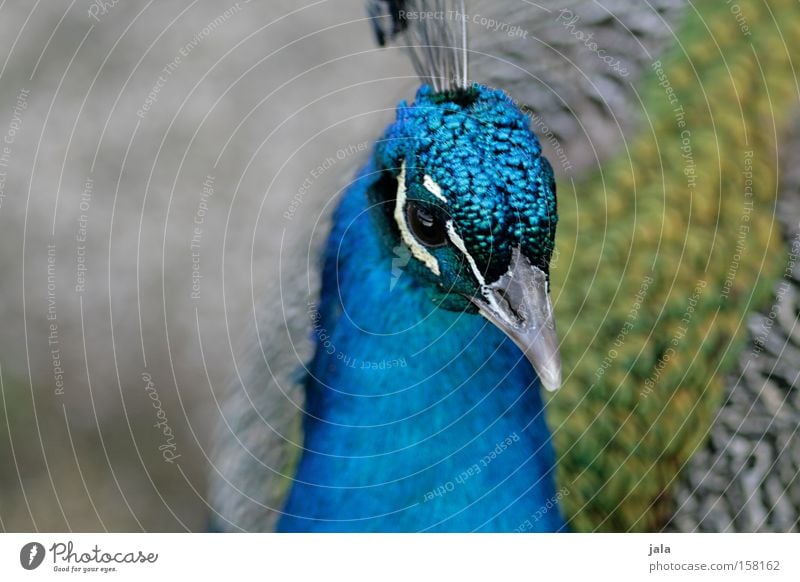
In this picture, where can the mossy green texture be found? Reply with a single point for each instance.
(660, 257)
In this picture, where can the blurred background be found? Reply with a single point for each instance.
(133, 125)
(158, 159)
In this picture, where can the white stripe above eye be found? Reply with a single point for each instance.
(433, 188)
(420, 252)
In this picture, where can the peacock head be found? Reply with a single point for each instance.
(462, 184)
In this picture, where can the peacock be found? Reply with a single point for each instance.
(406, 394)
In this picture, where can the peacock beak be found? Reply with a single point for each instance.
(519, 304)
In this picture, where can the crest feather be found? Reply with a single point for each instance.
(436, 37)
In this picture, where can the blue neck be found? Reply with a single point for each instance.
(417, 418)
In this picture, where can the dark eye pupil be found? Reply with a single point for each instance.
(426, 224)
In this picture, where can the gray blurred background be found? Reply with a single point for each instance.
(158, 156)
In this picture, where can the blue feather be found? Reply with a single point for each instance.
(417, 418)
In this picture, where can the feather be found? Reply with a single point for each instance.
(386, 21)
(258, 438)
(583, 102)
(573, 64)
(746, 477)
(436, 37)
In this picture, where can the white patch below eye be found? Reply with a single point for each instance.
(458, 242)
(420, 252)
(433, 188)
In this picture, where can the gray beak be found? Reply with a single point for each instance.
(518, 303)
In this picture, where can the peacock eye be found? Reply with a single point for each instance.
(426, 224)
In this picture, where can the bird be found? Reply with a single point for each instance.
(422, 404)
(646, 339)
(427, 415)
